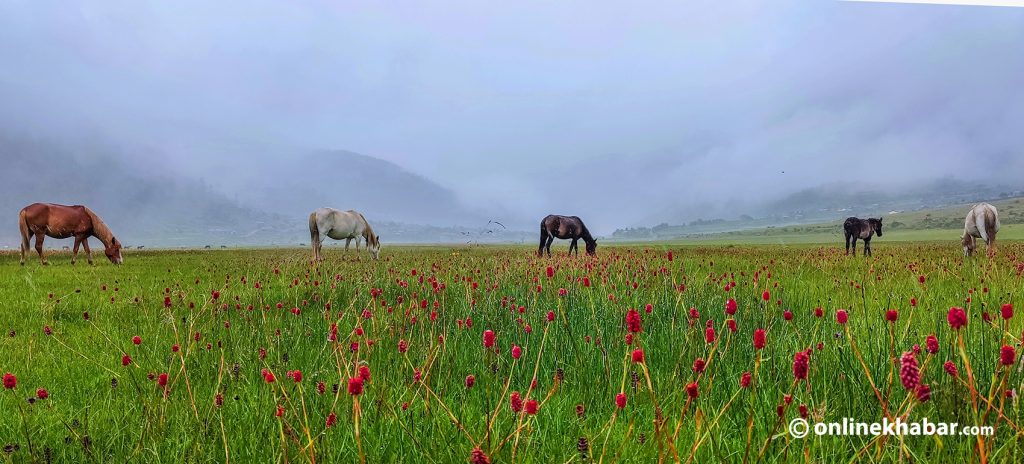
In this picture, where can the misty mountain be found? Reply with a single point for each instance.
(139, 206)
(345, 180)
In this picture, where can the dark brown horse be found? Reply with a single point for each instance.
(565, 227)
(856, 228)
(59, 221)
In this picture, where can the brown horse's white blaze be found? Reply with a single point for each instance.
(341, 225)
(982, 222)
(60, 221)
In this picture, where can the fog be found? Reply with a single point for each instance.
(622, 113)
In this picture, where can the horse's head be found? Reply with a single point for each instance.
(592, 248)
(374, 247)
(113, 251)
(967, 240)
(877, 225)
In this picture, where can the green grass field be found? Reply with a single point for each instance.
(218, 324)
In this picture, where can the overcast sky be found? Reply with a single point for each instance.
(576, 107)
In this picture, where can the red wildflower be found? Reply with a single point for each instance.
(478, 457)
(709, 335)
(515, 402)
(488, 338)
(620, 401)
(818, 312)
(551, 272)
(364, 373)
(698, 365)
(161, 379)
(126, 360)
(10, 381)
(759, 339)
(1007, 355)
(957, 317)
(909, 373)
(355, 386)
(1007, 311)
(766, 296)
(42, 394)
(932, 344)
(787, 315)
(731, 324)
(47, 330)
(691, 390)
(470, 380)
(841, 316)
(730, 307)
(531, 407)
(745, 380)
(638, 356)
(950, 368)
(331, 419)
(516, 351)
(137, 340)
(551, 316)
(800, 361)
(633, 320)
(296, 375)
(923, 393)
(891, 315)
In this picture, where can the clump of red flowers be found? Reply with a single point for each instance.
(488, 338)
(620, 401)
(841, 316)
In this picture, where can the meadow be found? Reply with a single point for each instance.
(646, 353)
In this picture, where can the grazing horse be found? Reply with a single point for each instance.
(59, 221)
(856, 228)
(565, 227)
(341, 225)
(982, 222)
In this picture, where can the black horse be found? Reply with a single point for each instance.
(565, 227)
(856, 228)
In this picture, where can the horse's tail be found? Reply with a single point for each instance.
(979, 221)
(25, 232)
(314, 230)
(991, 224)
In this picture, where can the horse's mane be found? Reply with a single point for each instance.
(99, 228)
(371, 237)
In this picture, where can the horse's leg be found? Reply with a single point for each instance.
(867, 247)
(574, 246)
(348, 241)
(551, 238)
(543, 239)
(88, 252)
(74, 251)
(847, 243)
(39, 248)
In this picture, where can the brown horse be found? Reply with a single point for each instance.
(856, 228)
(565, 227)
(59, 221)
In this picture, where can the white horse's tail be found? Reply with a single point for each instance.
(979, 222)
(314, 235)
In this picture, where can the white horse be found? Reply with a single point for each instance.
(982, 222)
(341, 225)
